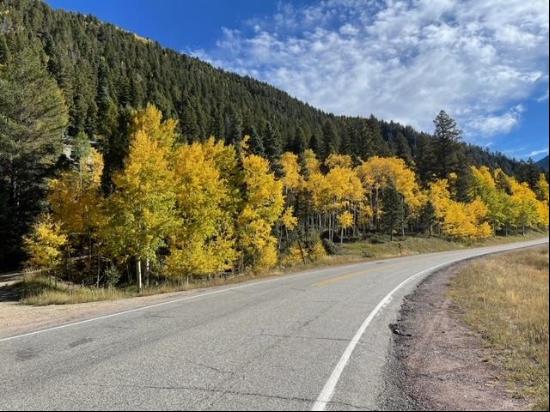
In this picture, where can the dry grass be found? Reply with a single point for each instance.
(415, 245)
(505, 298)
(41, 290)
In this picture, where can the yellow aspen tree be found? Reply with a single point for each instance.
(75, 197)
(543, 194)
(292, 180)
(263, 203)
(378, 173)
(141, 211)
(316, 188)
(542, 188)
(543, 215)
(339, 160)
(345, 221)
(311, 162)
(344, 192)
(150, 121)
(483, 185)
(227, 162)
(44, 244)
(458, 220)
(293, 184)
(524, 204)
(288, 220)
(204, 243)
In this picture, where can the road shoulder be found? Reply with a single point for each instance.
(440, 363)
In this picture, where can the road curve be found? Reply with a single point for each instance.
(314, 340)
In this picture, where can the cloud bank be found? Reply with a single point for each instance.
(401, 60)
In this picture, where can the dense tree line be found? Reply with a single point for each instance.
(191, 210)
(67, 79)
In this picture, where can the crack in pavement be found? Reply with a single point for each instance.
(305, 337)
(200, 389)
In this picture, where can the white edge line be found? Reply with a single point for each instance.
(328, 390)
(124, 312)
(253, 283)
(185, 298)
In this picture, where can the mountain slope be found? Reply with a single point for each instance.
(103, 71)
(543, 163)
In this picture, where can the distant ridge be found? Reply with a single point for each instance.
(543, 163)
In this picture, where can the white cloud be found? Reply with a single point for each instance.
(543, 97)
(493, 124)
(538, 152)
(401, 59)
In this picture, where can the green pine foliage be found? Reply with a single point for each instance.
(33, 117)
(71, 76)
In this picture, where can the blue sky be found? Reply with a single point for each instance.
(484, 61)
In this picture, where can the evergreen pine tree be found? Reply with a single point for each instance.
(447, 135)
(33, 117)
(255, 142)
(234, 127)
(330, 138)
(402, 148)
(427, 218)
(425, 158)
(376, 143)
(300, 141)
(272, 141)
(393, 215)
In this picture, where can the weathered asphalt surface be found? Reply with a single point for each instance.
(263, 345)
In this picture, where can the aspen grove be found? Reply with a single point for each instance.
(188, 211)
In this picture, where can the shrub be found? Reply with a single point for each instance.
(378, 239)
(293, 256)
(331, 247)
(317, 251)
(367, 253)
(112, 276)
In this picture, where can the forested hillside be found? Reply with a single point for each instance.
(69, 79)
(543, 163)
(102, 70)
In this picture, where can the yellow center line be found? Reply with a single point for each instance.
(350, 275)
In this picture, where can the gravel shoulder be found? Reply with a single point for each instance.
(439, 362)
(17, 318)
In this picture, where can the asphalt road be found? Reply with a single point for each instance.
(317, 339)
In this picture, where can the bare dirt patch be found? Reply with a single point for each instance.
(16, 318)
(444, 364)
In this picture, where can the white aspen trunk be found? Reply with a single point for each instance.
(138, 274)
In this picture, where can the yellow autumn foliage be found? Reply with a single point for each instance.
(75, 197)
(345, 220)
(204, 241)
(208, 207)
(458, 219)
(377, 173)
(292, 180)
(141, 211)
(44, 244)
(263, 206)
(288, 220)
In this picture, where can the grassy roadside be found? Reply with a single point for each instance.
(41, 290)
(505, 299)
(417, 244)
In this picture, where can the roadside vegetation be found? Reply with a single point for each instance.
(180, 215)
(505, 299)
(41, 289)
